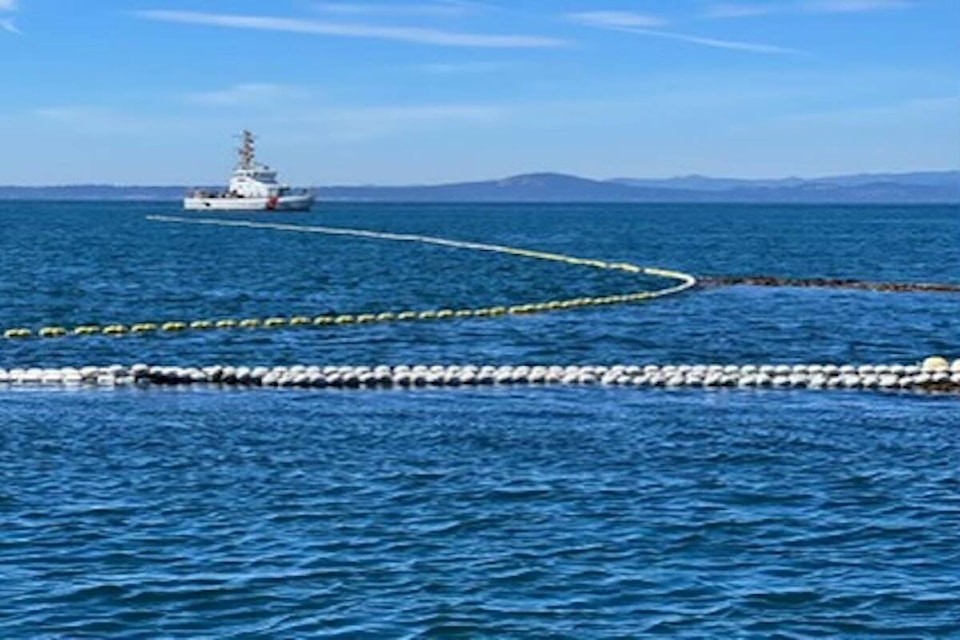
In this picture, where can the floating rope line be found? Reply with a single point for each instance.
(830, 283)
(933, 374)
(684, 282)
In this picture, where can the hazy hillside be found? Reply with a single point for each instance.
(939, 187)
(931, 187)
(91, 192)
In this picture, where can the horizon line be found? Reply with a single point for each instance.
(561, 174)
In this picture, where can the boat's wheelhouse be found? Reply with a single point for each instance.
(254, 182)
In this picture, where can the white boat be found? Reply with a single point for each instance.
(253, 187)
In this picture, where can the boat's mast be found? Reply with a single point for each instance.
(246, 150)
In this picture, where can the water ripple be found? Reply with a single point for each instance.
(560, 513)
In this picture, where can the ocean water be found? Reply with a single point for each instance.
(502, 512)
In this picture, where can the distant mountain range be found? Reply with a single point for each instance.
(929, 187)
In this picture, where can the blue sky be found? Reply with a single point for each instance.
(425, 91)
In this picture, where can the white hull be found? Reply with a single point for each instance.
(283, 203)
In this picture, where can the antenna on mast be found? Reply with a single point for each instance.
(246, 150)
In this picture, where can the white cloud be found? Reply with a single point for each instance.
(372, 122)
(731, 45)
(638, 23)
(851, 6)
(246, 94)
(348, 122)
(744, 10)
(616, 19)
(942, 106)
(463, 68)
(414, 113)
(445, 9)
(416, 35)
(6, 24)
(96, 119)
(728, 10)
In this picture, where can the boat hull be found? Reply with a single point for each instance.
(283, 203)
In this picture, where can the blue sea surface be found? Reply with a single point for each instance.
(498, 512)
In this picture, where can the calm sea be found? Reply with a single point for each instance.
(504, 512)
